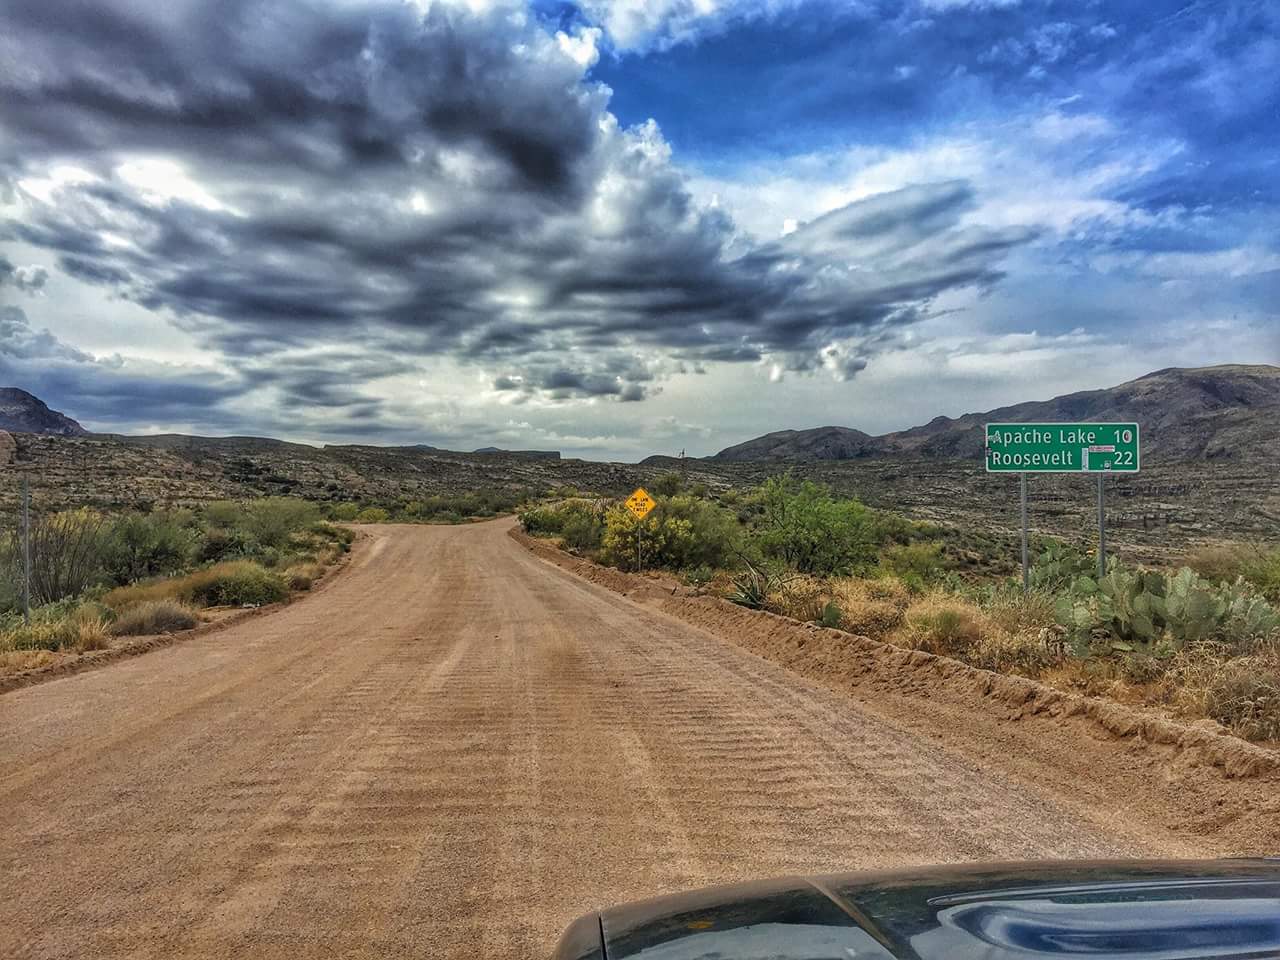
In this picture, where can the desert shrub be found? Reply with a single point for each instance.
(138, 546)
(235, 583)
(122, 598)
(272, 521)
(801, 525)
(345, 512)
(542, 521)
(221, 543)
(678, 534)
(667, 484)
(579, 521)
(154, 617)
(67, 554)
(831, 615)
(915, 564)
(372, 515)
(583, 532)
(222, 513)
(242, 583)
(1263, 571)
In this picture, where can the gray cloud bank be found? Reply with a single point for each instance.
(387, 184)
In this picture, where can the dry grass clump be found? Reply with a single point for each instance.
(15, 661)
(302, 576)
(1241, 693)
(1025, 653)
(1221, 562)
(800, 597)
(1021, 613)
(154, 617)
(871, 608)
(942, 624)
(82, 629)
(235, 583)
(90, 633)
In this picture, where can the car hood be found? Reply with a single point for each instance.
(1134, 910)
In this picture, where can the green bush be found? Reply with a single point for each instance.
(1263, 571)
(667, 484)
(345, 512)
(583, 532)
(915, 564)
(236, 584)
(139, 545)
(679, 533)
(273, 521)
(801, 525)
(372, 515)
(579, 521)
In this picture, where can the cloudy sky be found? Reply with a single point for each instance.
(620, 228)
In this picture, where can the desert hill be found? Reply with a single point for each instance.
(1201, 413)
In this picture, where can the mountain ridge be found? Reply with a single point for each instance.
(1186, 413)
(23, 412)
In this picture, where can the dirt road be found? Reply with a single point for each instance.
(451, 751)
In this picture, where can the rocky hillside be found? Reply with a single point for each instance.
(20, 412)
(1203, 413)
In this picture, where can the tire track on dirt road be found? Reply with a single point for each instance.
(451, 751)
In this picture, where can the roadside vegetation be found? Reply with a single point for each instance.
(97, 577)
(441, 508)
(1201, 640)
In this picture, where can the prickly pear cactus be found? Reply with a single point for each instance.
(1194, 609)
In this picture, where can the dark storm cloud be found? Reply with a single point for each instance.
(368, 177)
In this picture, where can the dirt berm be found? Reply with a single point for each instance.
(1189, 779)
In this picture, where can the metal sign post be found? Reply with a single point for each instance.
(1026, 560)
(1102, 533)
(26, 548)
(640, 503)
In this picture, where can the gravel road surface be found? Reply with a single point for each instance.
(450, 751)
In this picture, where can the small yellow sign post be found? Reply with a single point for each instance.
(640, 503)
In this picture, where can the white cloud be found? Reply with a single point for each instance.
(1019, 172)
(581, 47)
(649, 24)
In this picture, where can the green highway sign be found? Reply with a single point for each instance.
(1062, 448)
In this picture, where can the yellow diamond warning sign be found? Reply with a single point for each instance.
(640, 503)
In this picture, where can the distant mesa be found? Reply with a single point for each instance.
(1200, 413)
(20, 412)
